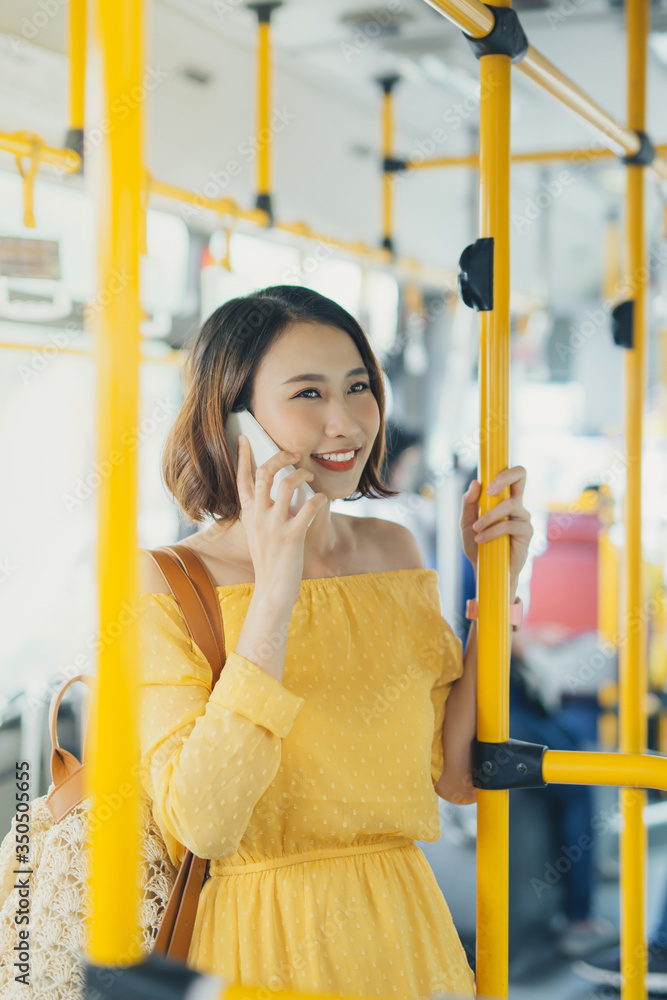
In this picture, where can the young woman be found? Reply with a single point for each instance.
(309, 771)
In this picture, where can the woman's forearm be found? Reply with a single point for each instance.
(460, 726)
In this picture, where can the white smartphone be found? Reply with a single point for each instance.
(262, 448)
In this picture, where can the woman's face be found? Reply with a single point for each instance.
(332, 412)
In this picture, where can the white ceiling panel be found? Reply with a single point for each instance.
(200, 120)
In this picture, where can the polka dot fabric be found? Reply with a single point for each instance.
(308, 795)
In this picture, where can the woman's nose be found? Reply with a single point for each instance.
(341, 421)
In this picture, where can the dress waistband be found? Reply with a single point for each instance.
(218, 868)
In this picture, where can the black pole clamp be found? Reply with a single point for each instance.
(74, 141)
(622, 323)
(645, 155)
(391, 164)
(388, 82)
(506, 38)
(264, 9)
(475, 277)
(512, 764)
(263, 201)
(154, 976)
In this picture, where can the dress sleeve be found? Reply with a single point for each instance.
(206, 757)
(452, 668)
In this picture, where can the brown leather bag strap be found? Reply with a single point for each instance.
(66, 769)
(190, 582)
(206, 589)
(174, 935)
(63, 763)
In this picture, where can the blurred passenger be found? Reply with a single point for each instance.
(572, 727)
(605, 966)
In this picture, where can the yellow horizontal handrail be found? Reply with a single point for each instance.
(20, 145)
(227, 206)
(546, 75)
(623, 770)
(476, 20)
(223, 206)
(469, 15)
(536, 156)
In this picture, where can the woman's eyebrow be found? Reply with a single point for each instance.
(322, 378)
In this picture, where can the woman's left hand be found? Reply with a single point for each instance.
(491, 525)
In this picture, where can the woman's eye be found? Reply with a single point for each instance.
(364, 385)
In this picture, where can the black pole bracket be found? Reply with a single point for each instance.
(74, 141)
(622, 323)
(506, 38)
(512, 764)
(155, 976)
(388, 82)
(264, 10)
(475, 277)
(388, 244)
(645, 155)
(392, 164)
(264, 202)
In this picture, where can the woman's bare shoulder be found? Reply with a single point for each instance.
(390, 545)
(151, 580)
(217, 549)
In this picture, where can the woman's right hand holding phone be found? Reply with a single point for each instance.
(276, 540)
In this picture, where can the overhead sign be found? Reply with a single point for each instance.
(29, 258)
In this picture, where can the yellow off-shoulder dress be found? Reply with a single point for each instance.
(308, 794)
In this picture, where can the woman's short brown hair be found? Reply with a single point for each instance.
(219, 374)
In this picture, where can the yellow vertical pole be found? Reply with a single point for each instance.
(388, 131)
(77, 73)
(632, 662)
(493, 559)
(264, 135)
(112, 747)
(607, 572)
(608, 598)
(387, 83)
(612, 259)
(77, 62)
(263, 91)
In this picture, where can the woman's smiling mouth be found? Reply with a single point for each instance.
(342, 462)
